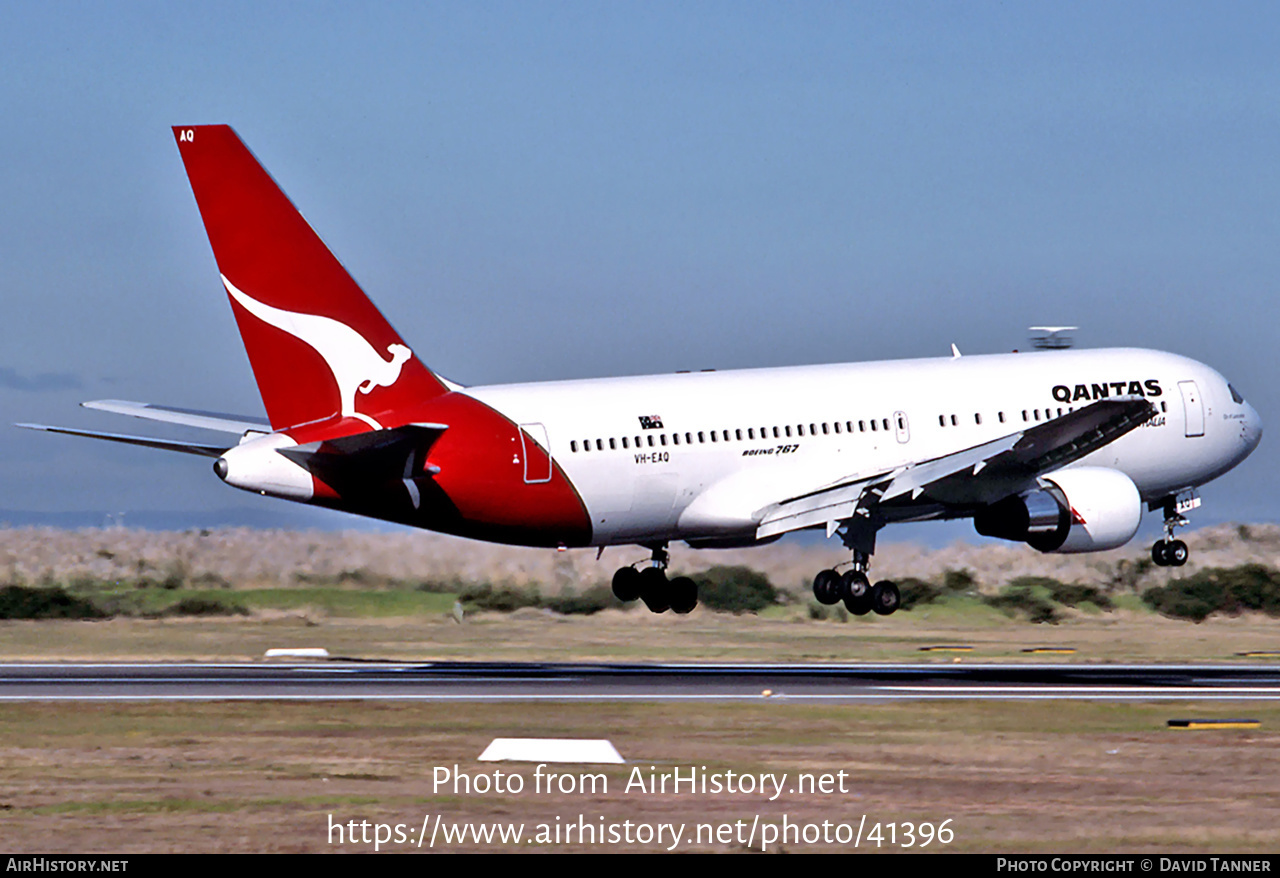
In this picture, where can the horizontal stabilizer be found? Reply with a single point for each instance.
(187, 417)
(147, 441)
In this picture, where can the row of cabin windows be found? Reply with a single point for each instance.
(1027, 415)
(738, 435)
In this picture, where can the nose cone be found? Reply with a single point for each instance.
(1252, 427)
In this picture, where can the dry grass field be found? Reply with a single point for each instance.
(264, 776)
(1011, 777)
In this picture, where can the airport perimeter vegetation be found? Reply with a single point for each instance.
(229, 595)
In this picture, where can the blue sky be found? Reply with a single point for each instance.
(544, 190)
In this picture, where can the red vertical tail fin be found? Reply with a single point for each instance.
(318, 346)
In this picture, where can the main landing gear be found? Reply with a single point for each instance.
(859, 595)
(680, 595)
(1170, 552)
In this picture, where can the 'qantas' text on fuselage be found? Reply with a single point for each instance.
(1064, 393)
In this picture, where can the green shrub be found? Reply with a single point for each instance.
(917, 592)
(1218, 590)
(1067, 594)
(504, 599)
(195, 606)
(23, 602)
(735, 590)
(593, 600)
(1025, 599)
(959, 582)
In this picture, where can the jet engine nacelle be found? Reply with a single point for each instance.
(1085, 509)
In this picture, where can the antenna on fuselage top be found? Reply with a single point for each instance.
(1051, 338)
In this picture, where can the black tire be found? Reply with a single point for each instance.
(885, 598)
(655, 591)
(684, 595)
(1176, 553)
(856, 592)
(1158, 554)
(826, 587)
(626, 584)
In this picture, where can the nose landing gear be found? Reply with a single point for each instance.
(650, 585)
(1169, 552)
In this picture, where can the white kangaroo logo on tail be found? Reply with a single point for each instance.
(355, 364)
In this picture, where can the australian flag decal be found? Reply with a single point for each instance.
(650, 422)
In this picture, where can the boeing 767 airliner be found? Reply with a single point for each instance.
(1058, 449)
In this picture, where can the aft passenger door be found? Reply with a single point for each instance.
(1193, 405)
(537, 467)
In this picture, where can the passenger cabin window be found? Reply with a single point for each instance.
(613, 444)
(738, 433)
(573, 446)
(1000, 415)
(650, 438)
(625, 443)
(977, 419)
(663, 438)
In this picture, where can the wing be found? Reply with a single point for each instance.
(966, 479)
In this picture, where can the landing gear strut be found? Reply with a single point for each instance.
(853, 587)
(651, 585)
(1169, 552)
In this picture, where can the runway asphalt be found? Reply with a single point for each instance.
(505, 681)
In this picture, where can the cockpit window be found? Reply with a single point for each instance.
(1235, 395)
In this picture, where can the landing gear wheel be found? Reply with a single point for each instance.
(1159, 553)
(856, 592)
(1176, 553)
(684, 595)
(826, 587)
(626, 584)
(655, 591)
(885, 598)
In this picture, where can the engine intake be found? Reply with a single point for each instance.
(1085, 509)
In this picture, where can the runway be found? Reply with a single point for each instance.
(572, 681)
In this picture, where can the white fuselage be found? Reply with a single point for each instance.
(698, 455)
